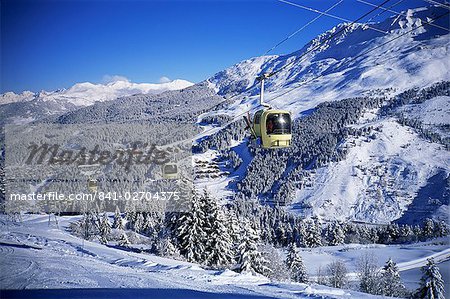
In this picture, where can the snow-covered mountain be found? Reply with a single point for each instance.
(382, 176)
(370, 145)
(86, 93)
(28, 106)
(355, 160)
(355, 60)
(11, 97)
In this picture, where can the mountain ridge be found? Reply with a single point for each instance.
(367, 175)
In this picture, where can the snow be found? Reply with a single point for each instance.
(11, 97)
(42, 256)
(222, 187)
(86, 93)
(397, 162)
(416, 59)
(217, 186)
(434, 111)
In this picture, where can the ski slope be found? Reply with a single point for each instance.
(39, 255)
(36, 255)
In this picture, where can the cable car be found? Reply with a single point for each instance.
(170, 171)
(92, 185)
(90, 170)
(272, 126)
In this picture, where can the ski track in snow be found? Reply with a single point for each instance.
(34, 255)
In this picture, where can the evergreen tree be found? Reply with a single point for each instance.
(104, 229)
(165, 247)
(250, 259)
(138, 224)
(391, 282)
(406, 234)
(428, 229)
(234, 229)
(431, 283)
(295, 264)
(191, 232)
(441, 229)
(335, 234)
(88, 226)
(313, 234)
(123, 241)
(219, 245)
(118, 221)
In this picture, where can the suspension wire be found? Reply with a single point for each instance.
(383, 10)
(368, 51)
(327, 39)
(273, 73)
(400, 14)
(438, 3)
(325, 13)
(302, 28)
(317, 77)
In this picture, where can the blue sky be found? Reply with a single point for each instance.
(46, 45)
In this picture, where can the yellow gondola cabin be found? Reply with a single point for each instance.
(170, 171)
(273, 127)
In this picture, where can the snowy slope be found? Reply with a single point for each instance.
(38, 255)
(416, 59)
(380, 178)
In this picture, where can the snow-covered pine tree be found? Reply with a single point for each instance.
(313, 234)
(441, 229)
(391, 283)
(138, 224)
(191, 232)
(166, 248)
(431, 282)
(428, 229)
(335, 234)
(250, 259)
(104, 229)
(219, 242)
(234, 228)
(118, 221)
(123, 241)
(295, 264)
(88, 226)
(208, 206)
(406, 234)
(151, 227)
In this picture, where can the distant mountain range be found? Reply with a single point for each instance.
(29, 106)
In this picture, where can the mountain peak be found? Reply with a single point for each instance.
(86, 93)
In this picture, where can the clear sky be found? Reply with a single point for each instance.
(46, 45)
